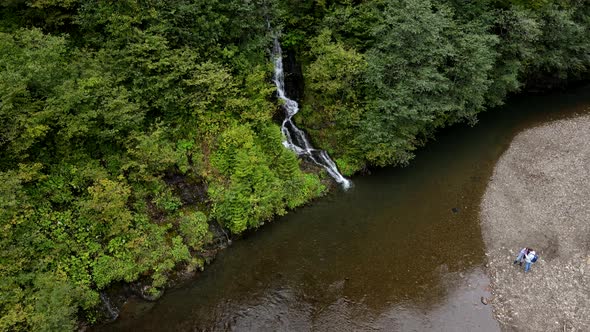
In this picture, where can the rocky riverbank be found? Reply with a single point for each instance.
(539, 197)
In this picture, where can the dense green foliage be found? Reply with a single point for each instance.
(420, 65)
(102, 103)
(129, 129)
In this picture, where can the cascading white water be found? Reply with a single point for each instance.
(295, 138)
(114, 312)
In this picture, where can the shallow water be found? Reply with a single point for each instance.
(400, 251)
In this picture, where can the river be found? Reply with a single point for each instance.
(399, 251)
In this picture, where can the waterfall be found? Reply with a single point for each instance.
(295, 139)
(108, 306)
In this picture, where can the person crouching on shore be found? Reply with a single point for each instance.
(530, 258)
(521, 255)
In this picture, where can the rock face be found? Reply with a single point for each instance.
(539, 197)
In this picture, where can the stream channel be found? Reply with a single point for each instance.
(401, 250)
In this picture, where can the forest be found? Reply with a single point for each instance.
(132, 129)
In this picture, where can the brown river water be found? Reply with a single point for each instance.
(400, 251)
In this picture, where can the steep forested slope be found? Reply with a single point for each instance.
(386, 74)
(129, 127)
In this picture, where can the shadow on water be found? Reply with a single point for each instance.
(401, 250)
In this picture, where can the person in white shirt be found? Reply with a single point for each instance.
(530, 258)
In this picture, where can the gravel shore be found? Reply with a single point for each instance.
(539, 197)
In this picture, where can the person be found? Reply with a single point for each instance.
(529, 259)
(521, 255)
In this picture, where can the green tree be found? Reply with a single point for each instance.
(424, 71)
(31, 65)
(334, 101)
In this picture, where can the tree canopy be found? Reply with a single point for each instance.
(131, 129)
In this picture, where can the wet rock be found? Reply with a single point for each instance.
(146, 292)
